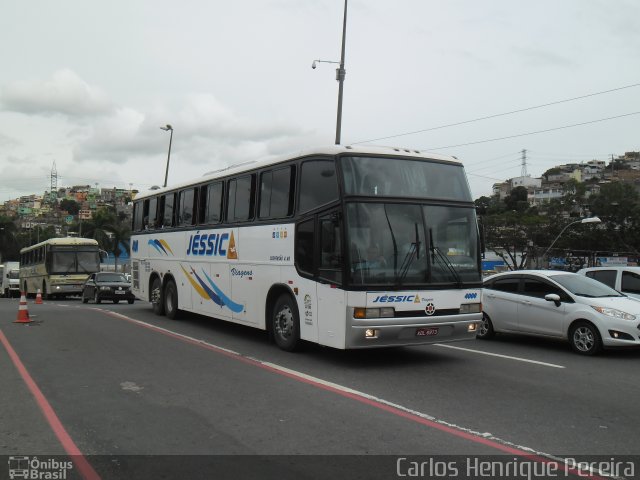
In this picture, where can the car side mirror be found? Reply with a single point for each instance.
(553, 297)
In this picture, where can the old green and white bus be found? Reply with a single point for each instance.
(58, 267)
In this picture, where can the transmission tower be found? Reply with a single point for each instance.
(53, 192)
(523, 172)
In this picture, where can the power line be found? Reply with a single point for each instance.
(531, 133)
(498, 114)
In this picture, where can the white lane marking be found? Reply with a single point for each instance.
(131, 386)
(519, 359)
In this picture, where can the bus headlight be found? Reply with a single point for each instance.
(384, 312)
(471, 308)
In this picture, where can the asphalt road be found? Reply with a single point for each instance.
(122, 381)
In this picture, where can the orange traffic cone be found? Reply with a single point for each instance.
(38, 298)
(23, 311)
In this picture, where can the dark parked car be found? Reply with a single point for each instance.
(107, 286)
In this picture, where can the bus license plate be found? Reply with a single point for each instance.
(426, 332)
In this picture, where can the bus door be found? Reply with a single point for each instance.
(319, 254)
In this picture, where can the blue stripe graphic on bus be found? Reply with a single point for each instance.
(233, 306)
(470, 296)
(160, 245)
(211, 293)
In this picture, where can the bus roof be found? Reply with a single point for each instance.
(63, 241)
(326, 150)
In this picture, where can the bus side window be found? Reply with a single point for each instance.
(318, 184)
(276, 200)
(137, 217)
(168, 216)
(304, 247)
(211, 203)
(186, 210)
(241, 199)
(152, 214)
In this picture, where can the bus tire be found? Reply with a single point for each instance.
(45, 294)
(170, 300)
(156, 297)
(285, 323)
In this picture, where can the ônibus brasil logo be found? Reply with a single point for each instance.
(34, 468)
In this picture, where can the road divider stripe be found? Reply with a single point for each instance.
(486, 439)
(77, 457)
(519, 359)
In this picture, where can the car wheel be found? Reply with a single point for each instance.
(156, 297)
(285, 324)
(171, 300)
(84, 299)
(486, 328)
(96, 298)
(130, 302)
(585, 338)
(116, 301)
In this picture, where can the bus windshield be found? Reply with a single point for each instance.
(410, 244)
(394, 177)
(63, 262)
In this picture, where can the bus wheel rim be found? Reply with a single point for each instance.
(284, 322)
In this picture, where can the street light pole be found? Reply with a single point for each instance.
(168, 128)
(340, 74)
(584, 220)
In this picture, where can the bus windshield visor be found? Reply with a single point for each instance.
(389, 177)
(399, 244)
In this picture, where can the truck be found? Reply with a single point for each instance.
(11, 279)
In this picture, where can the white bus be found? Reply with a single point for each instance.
(58, 266)
(348, 247)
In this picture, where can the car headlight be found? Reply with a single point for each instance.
(612, 312)
(105, 288)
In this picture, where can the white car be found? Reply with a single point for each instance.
(556, 304)
(623, 279)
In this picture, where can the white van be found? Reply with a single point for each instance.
(623, 279)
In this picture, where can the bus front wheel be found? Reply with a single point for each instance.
(156, 297)
(285, 324)
(171, 300)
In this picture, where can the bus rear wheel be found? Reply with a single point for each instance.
(156, 297)
(171, 300)
(285, 324)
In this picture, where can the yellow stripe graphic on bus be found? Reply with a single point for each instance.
(166, 245)
(194, 284)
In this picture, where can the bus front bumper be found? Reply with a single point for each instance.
(396, 332)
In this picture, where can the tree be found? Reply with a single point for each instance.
(517, 199)
(108, 230)
(70, 206)
(512, 236)
(9, 246)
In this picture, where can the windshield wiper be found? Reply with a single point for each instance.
(443, 258)
(412, 254)
(393, 239)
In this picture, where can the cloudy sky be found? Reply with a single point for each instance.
(88, 84)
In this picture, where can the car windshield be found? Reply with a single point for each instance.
(585, 286)
(110, 277)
